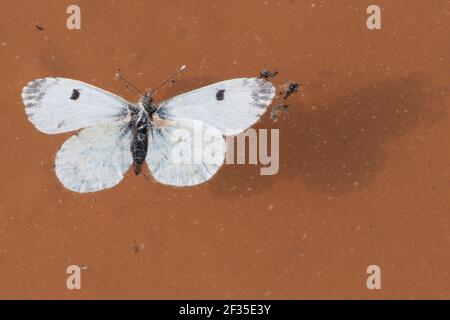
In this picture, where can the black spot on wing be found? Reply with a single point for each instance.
(75, 94)
(61, 124)
(220, 94)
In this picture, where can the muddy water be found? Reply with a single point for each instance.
(364, 163)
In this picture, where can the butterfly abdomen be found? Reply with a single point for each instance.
(139, 142)
(139, 150)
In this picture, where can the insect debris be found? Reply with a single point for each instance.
(220, 94)
(266, 74)
(39, 27)
(135, 247)
(293, 87)
(282, 107)
(75, 94)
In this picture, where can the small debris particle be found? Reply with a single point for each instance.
(39, 27)
(267, 293)
(220, 94)
(293, 87)
(135, 247)
(266, 74)
(282, 107)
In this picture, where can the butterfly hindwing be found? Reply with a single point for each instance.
(56, 105)
(96, 158)
(185, 152)
(230, 106)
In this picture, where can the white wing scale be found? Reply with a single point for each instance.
(53, 106)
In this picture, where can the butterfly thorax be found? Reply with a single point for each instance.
(147, 103)
(140, 125)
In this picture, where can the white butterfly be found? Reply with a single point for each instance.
(117, 133)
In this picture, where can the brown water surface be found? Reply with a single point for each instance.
(364, 154)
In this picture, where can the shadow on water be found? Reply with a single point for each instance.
(338, 147)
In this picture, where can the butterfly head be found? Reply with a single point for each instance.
(147, 101)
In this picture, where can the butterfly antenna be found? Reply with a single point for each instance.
(172, 78)
(128, 83)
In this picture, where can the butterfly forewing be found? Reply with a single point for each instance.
(230, 106)
(56, 105)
